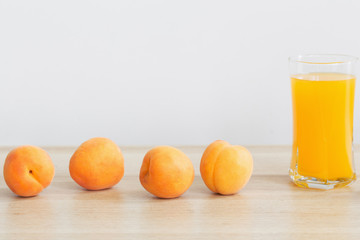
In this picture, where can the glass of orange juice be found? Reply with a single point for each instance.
(323, 88)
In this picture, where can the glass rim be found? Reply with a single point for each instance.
(335, 58)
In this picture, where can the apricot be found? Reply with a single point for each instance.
(28, 170)
(166, 172)
(226, 168)
(97, 164)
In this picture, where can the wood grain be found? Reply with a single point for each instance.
(270, 207)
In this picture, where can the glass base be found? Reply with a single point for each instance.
(317, 183)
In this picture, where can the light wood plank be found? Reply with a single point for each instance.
(269, 207)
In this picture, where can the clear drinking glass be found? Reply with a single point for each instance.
(323, 88)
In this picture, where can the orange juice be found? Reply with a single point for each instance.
(323, 106)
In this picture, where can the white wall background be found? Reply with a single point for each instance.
(153, 72)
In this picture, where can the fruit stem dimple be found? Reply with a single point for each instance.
(30, 171)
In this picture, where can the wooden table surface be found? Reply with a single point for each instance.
(269, 207)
